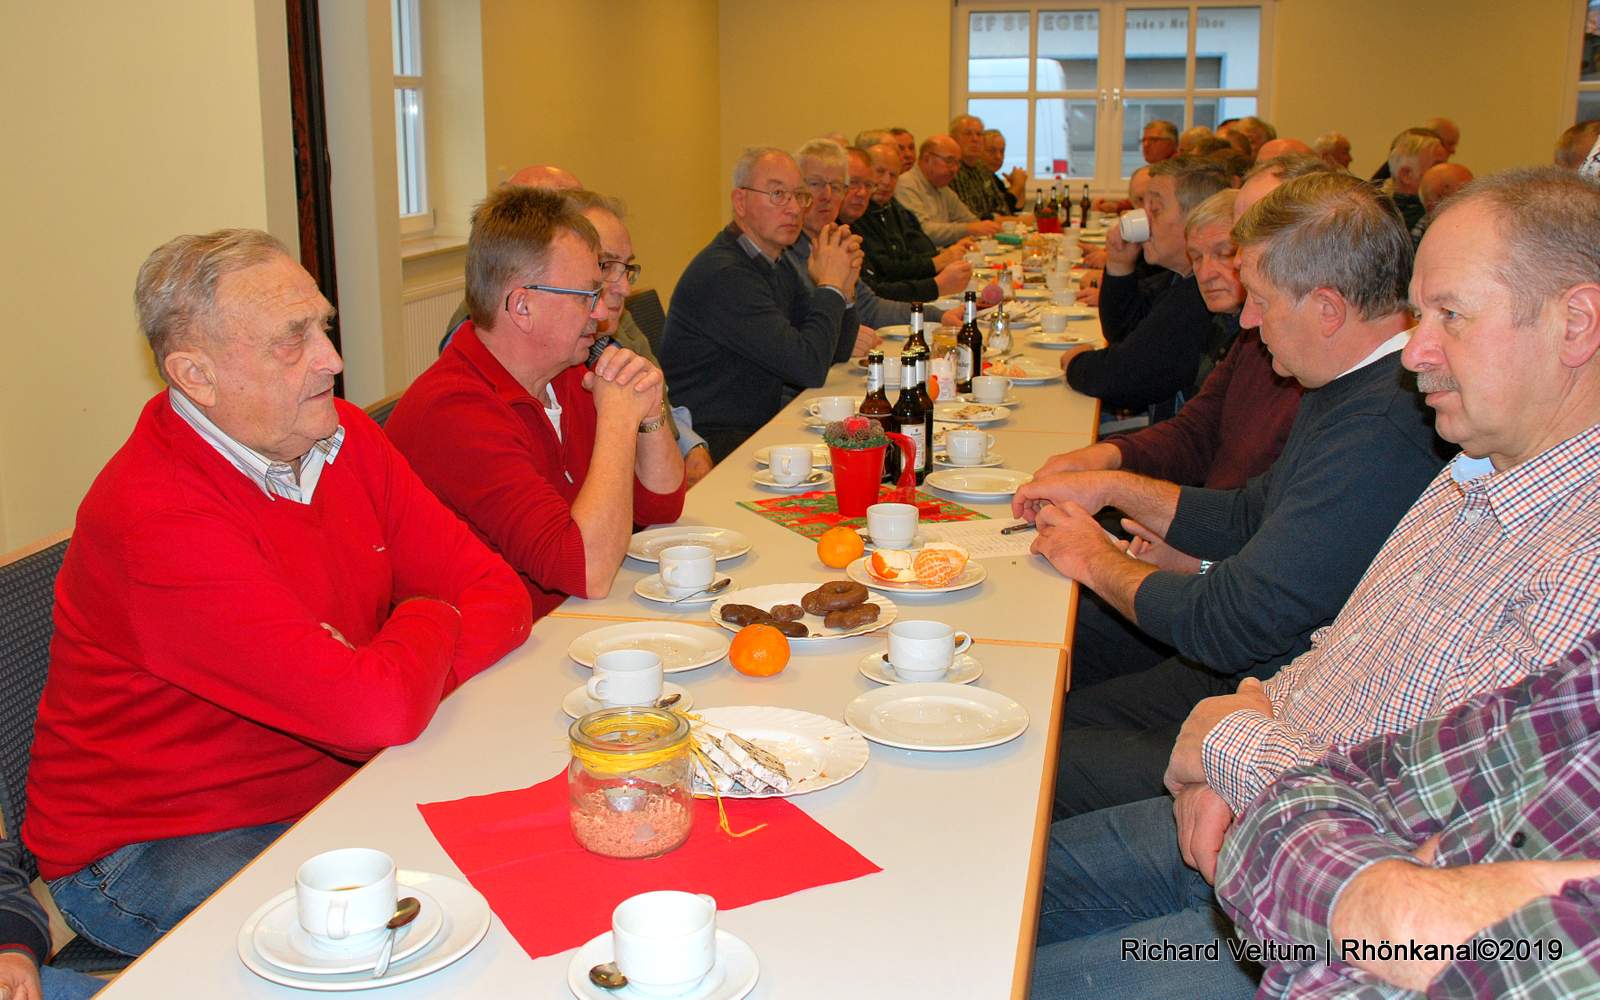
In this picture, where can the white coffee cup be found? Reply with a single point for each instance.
(892, 525)
(626, 677)
(345, 898)
(1055, 281)
(968, 447)
(1134, 226)
(1053, 320)
(665, 942)
(924, 650)
(1065, 297)
(831, 408)
(686, 569)
(790, 463)
(990, 388)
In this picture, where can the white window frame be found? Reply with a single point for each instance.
(1577, 89)
(406, 15)
(1109, 91)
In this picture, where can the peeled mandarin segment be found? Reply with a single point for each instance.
(937, 567)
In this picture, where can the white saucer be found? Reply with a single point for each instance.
(465, 915)
(281, 940)
(818, 478)
(1012, 399)
(875, 667)
(577, 702)
(821, 457)
(977, 484)
(917, 541)
(971, 575)
(1061, 341)
(724, 543)
(733, 976)
(680, 645)
(652, 589)
(936, 716)
(942, 457)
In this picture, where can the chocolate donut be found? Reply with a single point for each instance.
(744, 614)
(850, 618)
(835, 595)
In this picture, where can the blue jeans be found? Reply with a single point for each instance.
(63, 984)
(132, 896)
(1116, 874)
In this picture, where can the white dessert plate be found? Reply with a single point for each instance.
(817, 752)
(577, 702)
(817, 479)
(971, 575)
(875, 667)
(821, 457)
(652, 589)
(680, 646)
(733, 976)
(938, 716)
(1060, 341)
(281, 940)
(898, 331)
(1012, 399)
(790, 593)
(978, 484)
(466, 920)
(1027, 371)
(724, 543)
(957, 412)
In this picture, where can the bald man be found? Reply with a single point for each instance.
(1274, 148)
(925, 190)
(1440, 182)
(545, 175)
(1334, 148)
(974, 181)
(1449, 133)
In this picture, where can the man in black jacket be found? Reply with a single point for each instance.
(25, 941)
(897, 248)
(858, 199)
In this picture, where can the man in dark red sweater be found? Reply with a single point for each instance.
(548, 462)
(259, 596)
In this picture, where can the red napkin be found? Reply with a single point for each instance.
(517, 848)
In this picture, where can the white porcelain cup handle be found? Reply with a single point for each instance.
(965, 643)
(336, 919)
(989, 444)
(596, 688)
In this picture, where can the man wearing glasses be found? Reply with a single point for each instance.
(925, 189)
(743, 325)
(508, 427)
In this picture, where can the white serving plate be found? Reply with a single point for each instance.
(790, 593)
(939, 716)
(817, 752)
(681, 646)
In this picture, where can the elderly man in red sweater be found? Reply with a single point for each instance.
(549, 462)
(259, 596)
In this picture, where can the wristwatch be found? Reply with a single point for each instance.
(1205, 566)
(654, 424)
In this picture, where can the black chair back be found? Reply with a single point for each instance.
(27, 595)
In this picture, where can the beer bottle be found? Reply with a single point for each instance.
(969, 345)
(876, 406)
(917, 345)
(1084, 204)
(909, 419)
(1044, 213)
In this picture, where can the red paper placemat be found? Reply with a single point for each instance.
(517, 849)
(810, 514)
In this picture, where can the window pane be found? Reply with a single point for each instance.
(1227, 47)
(1155, 45)
(1136, 114)
(1063, 135)
(997, 51)
(1588, 105)
(1205, 112)
(1011, 118)
(405, 30)
(408, 149)
(1589, 68)
(1232, 107)
(1069, 50)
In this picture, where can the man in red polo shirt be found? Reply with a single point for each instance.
(259, 596)
(550, 463)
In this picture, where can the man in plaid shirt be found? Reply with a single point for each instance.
(1490, 576)
(1474, 830)
(974, 182)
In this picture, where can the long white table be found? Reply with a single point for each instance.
(960, 836)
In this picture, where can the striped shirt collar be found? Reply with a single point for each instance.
(1533, 486)
(752, 249)
(275, 479)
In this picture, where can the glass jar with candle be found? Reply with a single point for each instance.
(628, 783)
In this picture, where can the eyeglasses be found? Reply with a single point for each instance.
(781, 197)
(861, 185)
(613, 270)
(818, 185)
(592, 294)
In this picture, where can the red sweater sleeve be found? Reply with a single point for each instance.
(1181, 449)
(477, 456)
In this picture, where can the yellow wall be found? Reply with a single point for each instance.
(792, 72)
(124, 128)
(1369, 68)
(624, 94)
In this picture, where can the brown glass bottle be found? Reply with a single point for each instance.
(969, 345)
(911, 419)
(876, 406)
(917, 345)
(1084, 204)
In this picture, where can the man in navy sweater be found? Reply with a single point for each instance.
(741, 325)
(1279, 556)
